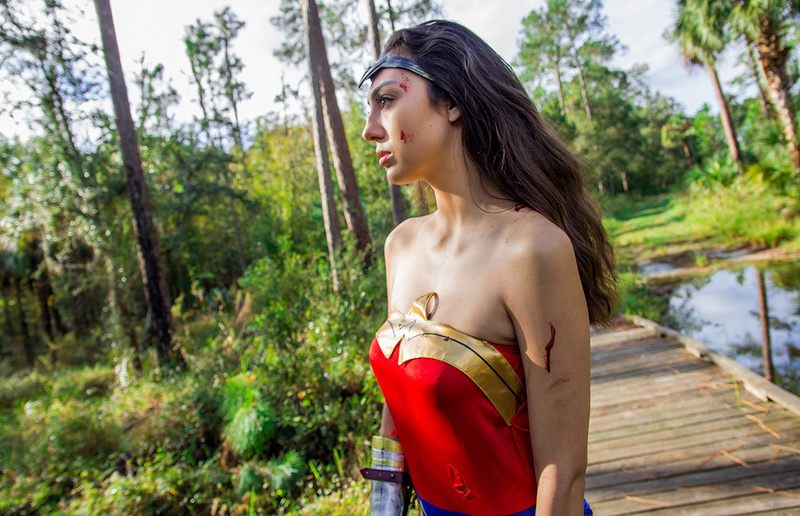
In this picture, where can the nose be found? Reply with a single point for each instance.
(373, 130)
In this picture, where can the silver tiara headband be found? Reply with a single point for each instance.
(393, 62)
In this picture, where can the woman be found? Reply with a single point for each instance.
(484, 359)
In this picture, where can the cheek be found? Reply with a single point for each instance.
(406, 137)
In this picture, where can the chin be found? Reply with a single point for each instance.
(399, 179)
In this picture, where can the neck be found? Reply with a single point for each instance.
(462, 201)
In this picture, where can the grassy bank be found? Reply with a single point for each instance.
(691, 230)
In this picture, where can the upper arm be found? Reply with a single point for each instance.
(390, 250)
(398, 242)
(547, 307)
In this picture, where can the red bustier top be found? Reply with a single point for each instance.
(462, 453)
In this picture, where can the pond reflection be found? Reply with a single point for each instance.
(722, 311)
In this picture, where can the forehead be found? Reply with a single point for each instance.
(398, 75)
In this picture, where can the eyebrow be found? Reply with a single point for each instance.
(373, 95)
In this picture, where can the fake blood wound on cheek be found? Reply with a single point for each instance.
(549, 347)
(406, 138)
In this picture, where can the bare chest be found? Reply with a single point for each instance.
(469, 284)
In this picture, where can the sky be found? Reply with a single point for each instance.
(156, 28)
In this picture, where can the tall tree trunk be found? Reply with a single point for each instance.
(155, 285)
(44, 292)
(687, 151)
(27, 352)
(584, 93)
(61, 122)
(237, 128)
(373, 29)
(772, 57)
(763, 316)
(58, 322)
(395, 193)
(7, 318)
(725, 115)
(237, 137)
(237, 230)
(51, 319)
(329, 215)
(391, 14)
(79, 255)
(348, 185)
(562, 104)
(122, 314)
(757, 75)
(205, 126)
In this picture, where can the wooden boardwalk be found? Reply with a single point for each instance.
(674, 434)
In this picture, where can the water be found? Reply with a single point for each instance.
(721, 310)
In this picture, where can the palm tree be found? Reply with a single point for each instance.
(763, 22)
(699, 31)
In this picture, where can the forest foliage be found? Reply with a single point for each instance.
(276, 400)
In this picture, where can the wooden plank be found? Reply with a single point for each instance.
(726, 438)
(673, 434)
(683, 421)
(794, 511)
(655, 470)
(732, 473)
(702, 432)
(695, 500)
(754, 382)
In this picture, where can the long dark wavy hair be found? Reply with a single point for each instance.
(515, 149)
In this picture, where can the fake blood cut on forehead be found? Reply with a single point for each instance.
(405, 82)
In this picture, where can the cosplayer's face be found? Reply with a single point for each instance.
(413, 136)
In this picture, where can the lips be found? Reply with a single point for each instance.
(383, 157)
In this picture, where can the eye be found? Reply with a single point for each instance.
(383, 100)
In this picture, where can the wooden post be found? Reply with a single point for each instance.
(763, 315)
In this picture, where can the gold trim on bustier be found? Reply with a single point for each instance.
(480, 361)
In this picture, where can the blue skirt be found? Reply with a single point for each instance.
(431, 510)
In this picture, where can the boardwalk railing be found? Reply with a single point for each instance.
(755, 383)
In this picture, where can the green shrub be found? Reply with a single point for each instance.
(85, 382)
(21, 387)
(166, 487)
(175, 415)
(249, 419)
(747, 213)
(638, 297)
(50, 447)
(280, 286)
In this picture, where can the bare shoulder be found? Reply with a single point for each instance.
(537, 244)
(403, 235)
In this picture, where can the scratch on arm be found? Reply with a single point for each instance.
(549, 347)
